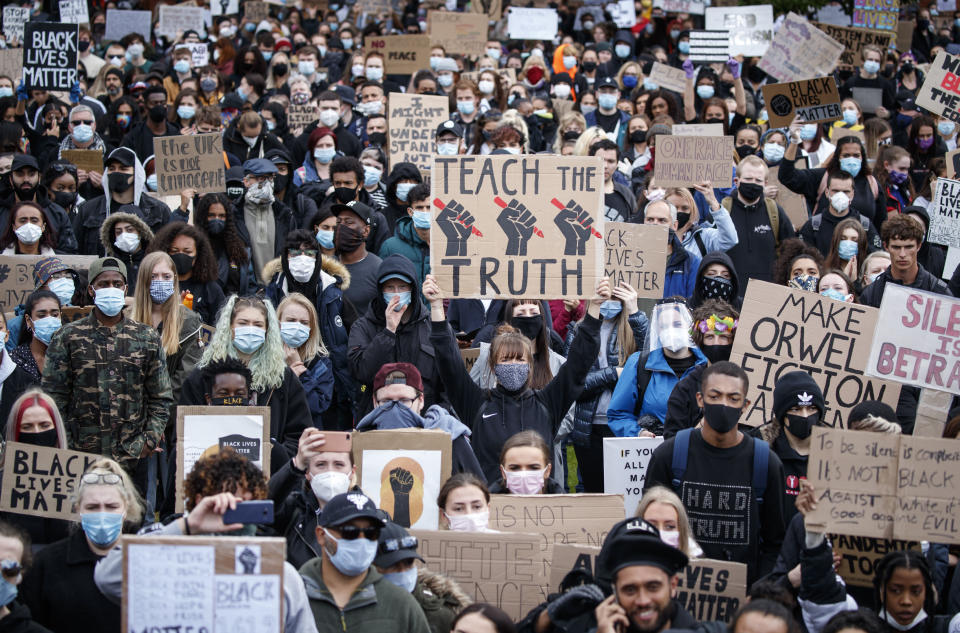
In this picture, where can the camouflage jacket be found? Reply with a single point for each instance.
(111, 385)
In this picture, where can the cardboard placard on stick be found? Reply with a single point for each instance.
(413, 121)
(878, 16)
(751, 28)
(938, 94)
(697, 129)
(13, 20)
(860, 555)
(668, 77)
(524, 226)
(709, 46)
(625, 462)
(85, 159)
(944, 213)
(16, 276)
(464, 33)
(50, 55)
(402, 471)
(813, 100)
(402, 54)
(189, 162)
(920, 343)
(300, 116)
(683, 161)
(505, 570)
(853, 41)
(800, 50)
(637, 255)
(219, 584)
(203, 431)
(783, 330)
(40, 481)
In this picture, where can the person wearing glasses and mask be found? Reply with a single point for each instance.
(340, 581)
(59, 588)
(15, 559)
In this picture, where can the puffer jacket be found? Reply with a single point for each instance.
(130, 260)
(440, 598)
(601, 379)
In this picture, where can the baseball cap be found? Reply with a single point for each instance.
(633, 542)
(394, 545)
(121, 155)
(346, 507)
(234, 174)
(279, 157)
(448, 127)
(104, 264)
(347, 94)
(24, 160)
(398, 374)
(607, 82)
(363, 211)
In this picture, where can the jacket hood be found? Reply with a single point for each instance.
(396, 265)
(443, 588)
(714, 257)
(106, 232)
(401, 171)
(139, 183)
(329, 265)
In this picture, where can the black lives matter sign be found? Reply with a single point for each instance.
(50, 55)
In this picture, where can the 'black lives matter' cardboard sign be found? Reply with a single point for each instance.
(636, 254)
(50, 55)
(813, 100)
(517, 226)
(41, 481)
(940, 92)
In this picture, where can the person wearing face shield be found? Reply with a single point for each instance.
(638, 405)
(718, 461)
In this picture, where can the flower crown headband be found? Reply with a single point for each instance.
(716, 324)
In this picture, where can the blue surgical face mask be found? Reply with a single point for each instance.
(322, 50)
(466, 108)
(403, 190)
(705, 91)
(325, 238)
(610, 308)
(808, 132)
(63, 288)
(152, 182)
(421, 219)
(6, 92)
(109, 301)
(82, 133)
(851, 165)
(306, 67)
(8, 592)
(946, 128)
(773, 153)
(267, 55)
(850, 116)
(182, 66)
(833, 293)
(371, 175)
(684, 47)
(324, 154)
(847, 249)
(347, 43)
(622, 50)
(186, 112)
(102, 528)
(374, 73)
(406, 580)
(607, 101)
(352, 557)
(248, 339)
(44, 329)
(871, 66)
(404, 297)
(294, 334)
(650, 85)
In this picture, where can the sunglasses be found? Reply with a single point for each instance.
(294, 252)
(352, 532)
(61, 168)
(10, 568)
(111, 479)
(83, 122)
(393, 544)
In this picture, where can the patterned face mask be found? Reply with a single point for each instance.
(717, 288)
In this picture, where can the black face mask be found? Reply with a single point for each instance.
(717, 353)
(638, 136)
(119, 182)
(682, 218)
(377, 138)
(589, 66)
(216, 226)
(235, 193)
(907, 68)
(529, 326)
(43, 438)
(182, 262)
(720, 417)
(745, 150)
(750, 191)
(717, 288)
(65, 199)
(713, 121)
(229, 401)
(347, 240)
(801, 426)
(157, 113)
(280, 70)
(83, 45)
(280, 182)
(345, 194)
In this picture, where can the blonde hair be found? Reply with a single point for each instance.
(570, 117)
(512, 117)
(587, 139)
(128, 492)
(171, 315)
(661, 494)
(39, 398)
(314, 344)
(267, 364)
(752, 161)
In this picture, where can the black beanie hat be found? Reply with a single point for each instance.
(874, 408)
(797, 388)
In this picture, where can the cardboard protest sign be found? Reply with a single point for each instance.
(879, 15)
(464, 33)
(412, 126)
(224, 7)
(887, 486)
(300, 116)
(793, 204)
(921, 344)
(697, 129)
(74, 12)
(799, 50)
(945, 213)
(709, 589)
(680, 6)
(178, 18)
(219, 584)
(683, 161)
(505, 570)
(783, 330)
(189, 162)
(13, 20)
(50, 55)
(709, 46)
(861, 555)
(933, 411)
(469, 356)
(940, 92)
(255, 11)
(571, 519)
(853, 41)
(402, 472)
(85, 159)
(532, 24)
(121, 23)
(625, 461)
(40, 481)
(751, 28)
(636, 254)
(493, 9)
(517, 226)
(814, 100)
(668, 77)
(869, 98)
(11, 63)
(16, 276)
(905, 30)
(402, 54)
(203, 431)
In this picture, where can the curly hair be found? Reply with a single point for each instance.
(790, 251)
(900, 227)
(233, 245)
(267, 365)
(204, 265)
(225, 366)
(227, 471)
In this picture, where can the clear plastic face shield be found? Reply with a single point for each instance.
(670, 327)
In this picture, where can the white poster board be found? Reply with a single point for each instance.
(224, 7)
(74, 12)
(13, 20)
(624, 13)
(944, 213)
(532, 24)
(625, 462)
(751, 28)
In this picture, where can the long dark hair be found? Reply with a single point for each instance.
(49, 236)
(833, 164)
(907, 559)
(26, 335)
(204, 264)
(230, 239)
(502, 622)
(114, 131)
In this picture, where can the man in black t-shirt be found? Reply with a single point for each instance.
(619, 202)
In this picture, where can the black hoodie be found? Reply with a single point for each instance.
(20, 621)
(400, 171)
(715, 257)
(371, 345)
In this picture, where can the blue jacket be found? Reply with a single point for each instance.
(406, 242)
(681, 274)
(600, 379)
(591, 119)
(620, 413)
(317, 383)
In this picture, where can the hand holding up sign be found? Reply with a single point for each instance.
(575, 225)
(456, 224)
(628, 296)
(603, 294)
(518, 224)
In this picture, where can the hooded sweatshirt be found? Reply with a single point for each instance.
(715, 257)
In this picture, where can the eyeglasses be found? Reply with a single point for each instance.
(394, 544)
(407, 402)
(352, 532)
(111, 479)
(10, 568)
(294, 252)
(83, 122)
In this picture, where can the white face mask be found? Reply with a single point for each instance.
(840, 201)
(525, 482)
(670, 537)
(128, 242)
(330, 118)
(329, 484)
(674, 339)
(476, 522)
(29, 233)
(889, 619)
(302, 267)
